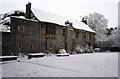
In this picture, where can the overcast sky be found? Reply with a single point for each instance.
(68, 8)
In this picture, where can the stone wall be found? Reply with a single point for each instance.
(33, 38)
(7, 43)
(26, 35)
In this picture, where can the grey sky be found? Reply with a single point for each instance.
(68, 8)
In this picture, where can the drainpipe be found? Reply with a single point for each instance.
(67, 38)
(68, 24)
(39, 25)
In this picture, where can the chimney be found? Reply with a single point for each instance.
(84, 20)
(28, 10)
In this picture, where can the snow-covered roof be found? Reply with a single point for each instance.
(60, 20)
(22, 17)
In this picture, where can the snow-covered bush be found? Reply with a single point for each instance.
(20, 55)
(91, 48)
(78, 50)
(88, 49)
(62, 51)
(97, 49)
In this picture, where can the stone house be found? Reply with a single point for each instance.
(6, 42)
(41, 30)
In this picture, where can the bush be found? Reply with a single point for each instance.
(62, 51)
(91, 48)
(78, 50)
(88, 49)
(97, 49)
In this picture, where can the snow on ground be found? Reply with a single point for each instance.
(79, 65)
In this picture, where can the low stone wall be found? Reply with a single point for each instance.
(8, 58)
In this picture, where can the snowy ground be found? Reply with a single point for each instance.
(79, 65)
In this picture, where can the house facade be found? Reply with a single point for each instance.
(41, 30)
(6, 43)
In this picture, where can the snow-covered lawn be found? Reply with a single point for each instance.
(79, 65)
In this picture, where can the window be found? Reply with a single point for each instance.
(90, 36)
(50, 30)
(73, 42)
(21, 28)
(30, 46)
(77, 34)
(87, 36)
(84, 35)
(19, 46)
(63, 31)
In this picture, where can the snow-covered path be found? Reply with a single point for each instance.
(80, 65)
